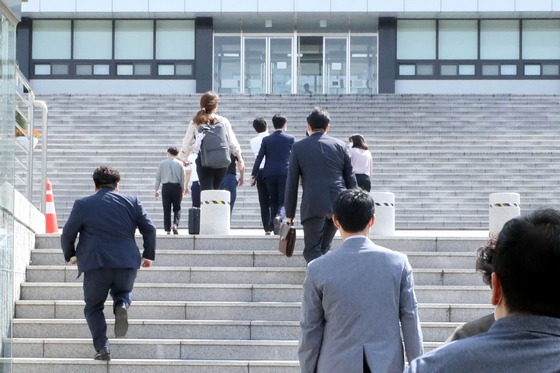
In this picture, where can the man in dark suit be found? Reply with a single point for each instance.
(276, 148)
(107, 253)
(325, 169)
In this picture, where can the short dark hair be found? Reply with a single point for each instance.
(278, 121)
(354, 208)
(260, 124)
(173, 150)
(318, 119)
(526, 260)
(106, 177)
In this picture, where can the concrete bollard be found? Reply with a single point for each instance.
(384, 214)
(214, 212)
(503, 207)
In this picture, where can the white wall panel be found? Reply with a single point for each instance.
(313, 5)
(422, 5)
(239, 6)
(276, 6)
(167, 6)
(99, 6)
(459, 5)
(496, 5)
(533, 5)
(214, 6)
(58, 6)
(130, 6)
(31, 6)
(555, 5)
(477, 86)
(349, 6)
(385, 6)
(116, 86)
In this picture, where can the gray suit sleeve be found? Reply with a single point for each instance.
(408, 314)
(312, 325)
(292, 181)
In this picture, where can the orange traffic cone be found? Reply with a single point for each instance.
(52, 222)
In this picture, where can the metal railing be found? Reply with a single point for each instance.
(25, 104)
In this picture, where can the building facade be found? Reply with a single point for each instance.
(291, 46)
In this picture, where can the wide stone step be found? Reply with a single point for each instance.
(193, 329)
(247, 311)
(271, 259)
(241, 292)
(41, 365)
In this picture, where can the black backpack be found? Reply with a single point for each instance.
(214, 150)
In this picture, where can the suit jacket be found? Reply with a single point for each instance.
(514, 344)
(106, 222)
(353, 300)
(326, 170)
(276, 148)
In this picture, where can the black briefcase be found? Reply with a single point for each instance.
(194, 220)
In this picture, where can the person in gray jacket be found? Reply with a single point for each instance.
(354, 299)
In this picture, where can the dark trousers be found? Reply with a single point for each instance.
(318, 233)
(264, 202)
(366, 366)
(363, 182)
(195, 194)
(276, 186)
(209, 178)
(97, 283)
(230, 183)
(171, 195)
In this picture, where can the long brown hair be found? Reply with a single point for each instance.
(208, 102)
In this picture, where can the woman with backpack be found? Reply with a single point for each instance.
(361, 161)
(211, 136)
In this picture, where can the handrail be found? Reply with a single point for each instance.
(26, 97)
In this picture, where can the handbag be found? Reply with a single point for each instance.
(287, 233)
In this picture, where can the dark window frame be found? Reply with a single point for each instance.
(72, 63)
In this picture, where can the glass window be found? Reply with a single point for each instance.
(363, 64)
(541, 40)
(183, 69)
(134, 40)
(550, 70)
(281, 65)
(458, 40)
(84, 69)
(508, 70)
(491, 70)
(407, 70)
(125, 69)
(52, 40)
(93, 40)
(425, 69)
(43, 69)
(100, 69)
(448, 70)
(416, 40)
(227, 64)
(255, 59)
(142, 69)
(166, 70)
(60, 69)
(466, 69)
(175, 40)
(499, 40)
(532, 69)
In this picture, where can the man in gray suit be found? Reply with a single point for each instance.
(354, 299)
(525, 282)
(326, 170)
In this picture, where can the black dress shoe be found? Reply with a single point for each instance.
(121, 320)
(103, 354)
(277, 222)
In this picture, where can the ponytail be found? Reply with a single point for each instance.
(208, 102)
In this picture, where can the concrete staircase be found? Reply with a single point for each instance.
(220, 304)
(441, 155)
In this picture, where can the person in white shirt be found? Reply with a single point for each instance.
(192, 180)
(361, 161)
(261, 127)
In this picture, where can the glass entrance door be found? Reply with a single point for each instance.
(310, 64)
(335, 65)
(281, 65)
(255, 66)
